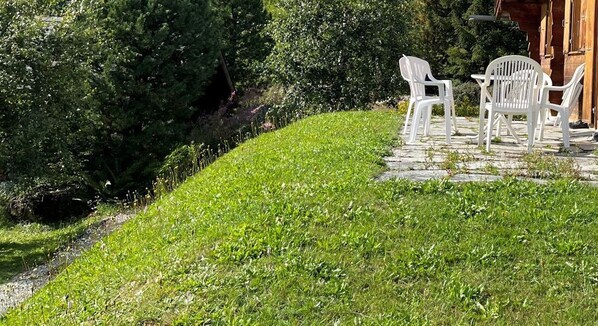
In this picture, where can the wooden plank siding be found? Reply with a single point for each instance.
(562, 36)
(589, 98)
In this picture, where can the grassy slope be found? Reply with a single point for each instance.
(290, 227)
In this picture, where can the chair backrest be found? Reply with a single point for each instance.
(406, 74)
(404, 66)
(419, 69)
(547, 80)
(516, 83)
(571, 94)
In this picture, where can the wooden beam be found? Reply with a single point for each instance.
(590, 91)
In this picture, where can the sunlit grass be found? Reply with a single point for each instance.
(292, 228)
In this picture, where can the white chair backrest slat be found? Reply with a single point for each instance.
(571, 94)
(420, 69)
(516, 82)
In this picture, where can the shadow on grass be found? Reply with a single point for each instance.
(18, 257)
(22, 247)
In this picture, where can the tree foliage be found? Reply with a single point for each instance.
(246, 44)
(44, 121)
(96, 93)
(337, 54)
(457, 47)
(149, 60)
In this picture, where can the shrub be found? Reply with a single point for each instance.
(337, 54)
(100, 96)
(467, 98)
(45, 124)
(466, 93)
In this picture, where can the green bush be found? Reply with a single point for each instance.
(466, 93)
(338, 54)
(98, 97)
(45, 123)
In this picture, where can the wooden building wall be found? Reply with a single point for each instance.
(564, 35)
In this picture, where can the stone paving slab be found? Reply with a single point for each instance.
(464, 161)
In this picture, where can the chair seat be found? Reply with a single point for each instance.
(511, 108)
(431, 101)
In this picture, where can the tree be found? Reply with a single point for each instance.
(246, 45)
(457, 47)
(338, 54)
(149, 60)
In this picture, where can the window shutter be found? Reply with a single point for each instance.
(567, 25)
(549, 23)
(543, 27)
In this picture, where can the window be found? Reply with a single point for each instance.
(546, 31)
(575, 26)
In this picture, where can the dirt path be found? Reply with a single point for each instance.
(24, 285)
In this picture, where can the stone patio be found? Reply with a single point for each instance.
(464, 160)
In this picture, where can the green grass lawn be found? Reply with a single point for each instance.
(22, 246)
(292, 228)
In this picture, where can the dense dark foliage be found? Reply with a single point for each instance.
(45, 121)
(150, 60)
(96, 97)
(246, 44)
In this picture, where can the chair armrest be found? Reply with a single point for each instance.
(544, 92)
(431, 83)
(555, 88)
(432, 78)
(441, 86)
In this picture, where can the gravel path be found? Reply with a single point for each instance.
(24, 285)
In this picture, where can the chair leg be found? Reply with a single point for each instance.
(409, 107)
(417, 115)
(542, 120)
(447, 121)
(531, 128)
(481, 121)
(510, 123)
(427, 117)
(454, 112)
(565, 128)
(491, 118)
(498, 127)
(559, 120)
(509, 126)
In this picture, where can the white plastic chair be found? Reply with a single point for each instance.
(512, 86)
(415, 93)
(571, 92)
(418, 70)
(547, 81)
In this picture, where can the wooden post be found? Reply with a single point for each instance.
(589, 86)
(229, 80)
